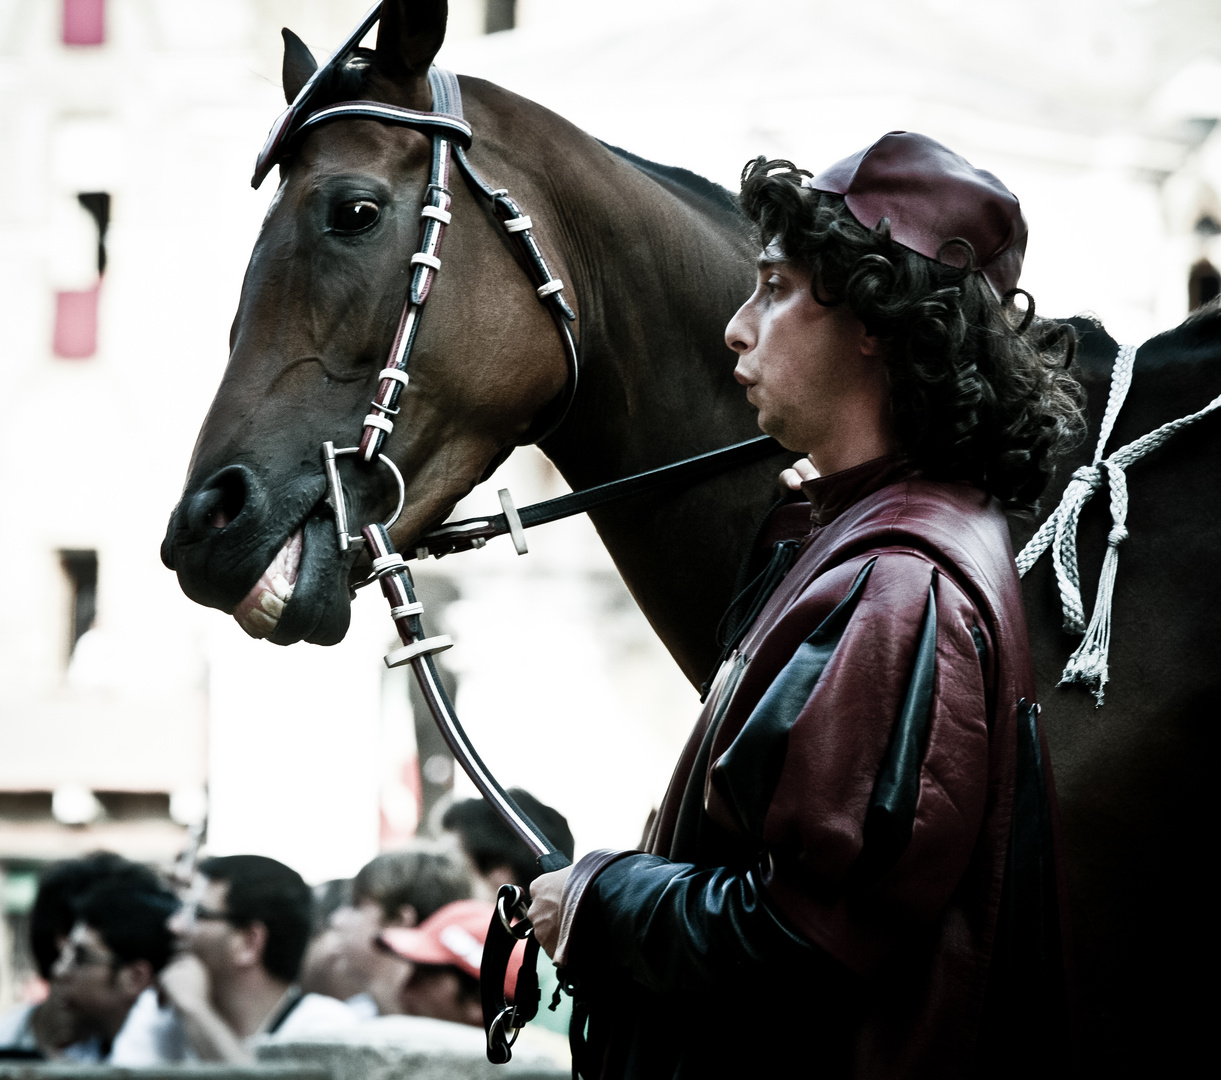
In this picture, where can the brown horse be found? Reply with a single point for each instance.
(656, 260)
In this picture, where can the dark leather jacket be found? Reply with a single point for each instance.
(824, 881)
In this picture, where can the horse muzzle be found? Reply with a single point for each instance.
(268, 558)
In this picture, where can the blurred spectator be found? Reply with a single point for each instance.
(443, 955)
(45, 1030)
(243, 933)
(108, 967)
(500, 857)
(399, 888)
(497, 854)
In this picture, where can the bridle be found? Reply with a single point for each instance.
(451, 137)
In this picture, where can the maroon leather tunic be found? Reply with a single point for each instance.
(850, 783)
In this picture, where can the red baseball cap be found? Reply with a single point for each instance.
(931, 195)
(453, 936)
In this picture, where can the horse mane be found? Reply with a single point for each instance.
(687, 185)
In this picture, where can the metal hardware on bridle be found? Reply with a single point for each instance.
(1089, 663)
(338, 501)
(509, 926)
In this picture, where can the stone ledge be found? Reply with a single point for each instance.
(37, 1070)
(416, 1048)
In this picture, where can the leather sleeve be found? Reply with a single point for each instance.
(674, 928)
(862, 768)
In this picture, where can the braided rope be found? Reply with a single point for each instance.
(1088, 664)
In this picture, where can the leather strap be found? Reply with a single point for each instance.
(473, 532)
(451, 127)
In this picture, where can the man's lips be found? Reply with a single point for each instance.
(259, 612)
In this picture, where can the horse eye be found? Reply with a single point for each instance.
(354, 216)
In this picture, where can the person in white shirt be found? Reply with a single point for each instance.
(241, 935)
(48, 1029)
(111, 959)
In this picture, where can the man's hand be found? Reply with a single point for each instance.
(184, 980)
(798, 473)
(546, 895)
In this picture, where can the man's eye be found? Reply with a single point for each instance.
(355, 216)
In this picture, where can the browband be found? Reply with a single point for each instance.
(452, 128)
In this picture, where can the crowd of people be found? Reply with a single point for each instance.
(140, 970)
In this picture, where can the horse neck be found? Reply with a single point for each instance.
(656, 268)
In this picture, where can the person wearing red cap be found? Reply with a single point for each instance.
(444, 952)
(853, 873)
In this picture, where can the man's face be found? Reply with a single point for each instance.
(202, 927)
(437, 992)
(812, 371)
(97, 989)
(344, 959)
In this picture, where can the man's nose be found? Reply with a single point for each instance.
(739, 335)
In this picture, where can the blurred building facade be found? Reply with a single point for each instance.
(127, 131)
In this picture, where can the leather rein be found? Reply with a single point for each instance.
(451, 136)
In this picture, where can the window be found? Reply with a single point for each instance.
(499, 15)
(81, 570)
(1203, 285)
(76, 312)
(84, 22)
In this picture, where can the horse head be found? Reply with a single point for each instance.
(319, 308)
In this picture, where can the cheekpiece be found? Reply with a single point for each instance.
(932, 195)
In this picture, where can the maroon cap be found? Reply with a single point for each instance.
(931, 195)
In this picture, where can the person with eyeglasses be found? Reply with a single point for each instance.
(48, 1028)
(241, 935)
(106, 976)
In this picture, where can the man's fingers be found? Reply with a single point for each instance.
(798, 473)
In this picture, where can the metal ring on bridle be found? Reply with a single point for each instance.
(504, 1022)
(521, 929)
(398, 479)
(337, 499)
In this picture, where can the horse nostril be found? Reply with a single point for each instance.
(219, 503)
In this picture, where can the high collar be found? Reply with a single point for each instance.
(834, 493)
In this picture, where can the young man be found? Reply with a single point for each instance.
(242, 934)
(395, 889)
(852, 873)
(47, 1029)
(497, 854)
(107, 971)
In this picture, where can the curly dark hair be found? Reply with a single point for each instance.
(980, 389)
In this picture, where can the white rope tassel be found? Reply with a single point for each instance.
(1059, 532)
(1088, 665)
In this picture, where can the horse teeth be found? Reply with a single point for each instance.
(259, 623)
(272, 604)
(281, 586)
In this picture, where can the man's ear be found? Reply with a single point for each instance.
(872, 345)
(299, 65)
(134, 978)
(249, 943)
(408, 36)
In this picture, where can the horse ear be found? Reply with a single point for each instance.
(408, 36)
(299, 65)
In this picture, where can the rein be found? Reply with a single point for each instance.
(451, 135)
